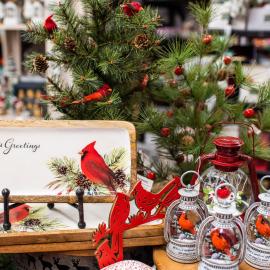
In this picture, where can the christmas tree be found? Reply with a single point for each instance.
(201, 90)
(109, 49)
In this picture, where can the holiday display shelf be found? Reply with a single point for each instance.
(163, 262)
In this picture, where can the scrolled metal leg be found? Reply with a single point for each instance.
(6, 223)
(80, 194)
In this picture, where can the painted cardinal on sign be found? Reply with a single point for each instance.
(186, 224)
(147, 201)
(99, 95)
(17, 214)
(94, 167)
(263, 226)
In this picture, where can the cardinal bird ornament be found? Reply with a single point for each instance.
(50, 25)
(17, 214)
(186, 224)
(132, 8)
(94, 167)
(147, 201)
(99, 95)
(263, 226)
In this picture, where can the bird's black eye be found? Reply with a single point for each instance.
(84, 154)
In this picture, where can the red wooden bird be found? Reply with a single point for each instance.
(105, 255)
(147, 201)
(263, 226)
(100, 94)
(186, 224)
(17, 214)
(117, 222)
(94, 167)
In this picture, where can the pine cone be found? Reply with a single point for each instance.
(32, 222)
(62, 170)
(40, 64)
(70, 44)
(119, 179)
(83, 182)
(187, 140)
(141, 41)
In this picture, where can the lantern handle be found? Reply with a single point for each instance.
(261, 183)
(190, 186)
(239, 124)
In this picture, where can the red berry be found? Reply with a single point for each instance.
(227, 60)
(229, 90)
(151, 175)
(249, 113)
(207, 39)
(170, 114)
(178, 70)
(165, 132)
(223, 192)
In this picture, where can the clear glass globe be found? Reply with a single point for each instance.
(213, 177)
(220, 245)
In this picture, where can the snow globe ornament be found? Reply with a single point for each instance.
(257, 221)
(221, 238)
(226, 168)
(182, 222)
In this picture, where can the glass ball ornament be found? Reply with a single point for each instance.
(221, 238)
(257, 222)
(182, 222)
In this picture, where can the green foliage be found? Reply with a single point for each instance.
(100, 46)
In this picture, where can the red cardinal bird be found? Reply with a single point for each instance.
(17, 214)
(100, 94)
(221, 243)
(50, 25)
(186, 224)
(94, 167)
(147, 201)
(117, 222)
(105, 255)
(263, 226)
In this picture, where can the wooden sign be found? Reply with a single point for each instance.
(46, 161)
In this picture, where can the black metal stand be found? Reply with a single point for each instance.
(78, 206)
(80, 194)
(6, 223)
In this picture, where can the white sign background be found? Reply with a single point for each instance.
(25, 172)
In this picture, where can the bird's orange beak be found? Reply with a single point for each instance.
(80, 153)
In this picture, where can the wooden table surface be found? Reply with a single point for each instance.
(163, 262)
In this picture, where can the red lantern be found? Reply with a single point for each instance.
(226, 163)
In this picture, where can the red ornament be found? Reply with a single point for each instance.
(145, 81)
(223, 192)
(165, 132)
(207, 39)
(170, 114)
(227, 60)
(132, 8)
(100, 94)
(151, 175)
(150, 205)
(229, 90)
(249, 113)
(179, 70)
(49, 24)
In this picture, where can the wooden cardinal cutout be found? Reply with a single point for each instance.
(151, 207)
